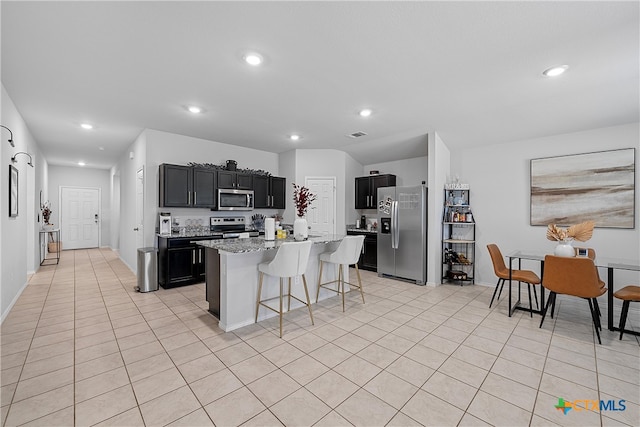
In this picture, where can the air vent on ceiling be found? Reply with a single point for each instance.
(356, 134)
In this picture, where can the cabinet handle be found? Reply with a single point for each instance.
(188, 197)
(195, 198)
(200, 256)
(193, 256)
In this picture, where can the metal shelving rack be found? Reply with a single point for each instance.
(458, 236)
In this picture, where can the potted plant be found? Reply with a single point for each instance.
(302, 198)
(45, 209)
(580, 232)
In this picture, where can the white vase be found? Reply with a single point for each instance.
(564, 249)
(300, 229)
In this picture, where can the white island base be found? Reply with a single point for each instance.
(236, 275)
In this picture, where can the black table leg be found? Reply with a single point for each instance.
(610, 299)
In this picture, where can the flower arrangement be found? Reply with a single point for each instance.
(45, 208)
(302, 198)
(580, 232)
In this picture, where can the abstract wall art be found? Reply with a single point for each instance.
(597, 186)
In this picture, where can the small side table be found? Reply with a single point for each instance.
(55, 236)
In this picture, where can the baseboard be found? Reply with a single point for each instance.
(13, 302)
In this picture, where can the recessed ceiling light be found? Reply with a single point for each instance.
(365, 113)
(555, 71)
(194, 109)
(101, 148)
(81, 163)
(87, 126)
(295, 137)
(253, 59)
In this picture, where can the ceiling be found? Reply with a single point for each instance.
(471, 71)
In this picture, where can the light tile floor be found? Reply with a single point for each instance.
(80, 347)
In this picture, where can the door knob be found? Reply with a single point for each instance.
(136, 229)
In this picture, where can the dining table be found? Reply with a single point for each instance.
(610, 264)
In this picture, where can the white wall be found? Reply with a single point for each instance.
(439, 170)
(19, 250)
(65, 176)
(151, 149)
(408, 172)
(500, 189)
(353, 169)
(324, 163)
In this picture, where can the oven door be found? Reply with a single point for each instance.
(235, 200)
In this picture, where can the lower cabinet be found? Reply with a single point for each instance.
(180, 262)
(369, 256)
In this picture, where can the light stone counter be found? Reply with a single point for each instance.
(232, 277)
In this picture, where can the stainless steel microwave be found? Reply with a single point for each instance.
(235, 200)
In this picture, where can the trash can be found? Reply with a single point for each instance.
(147, 270)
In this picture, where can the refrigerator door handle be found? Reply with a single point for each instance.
(395, 232)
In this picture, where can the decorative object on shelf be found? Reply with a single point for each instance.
(302, 198)
(374, 172)
(599, 186)
(45, 208)
(13, 191)
(580, 232)
(229, 167)
(10, 140)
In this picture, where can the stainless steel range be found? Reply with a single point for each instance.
(229, 227)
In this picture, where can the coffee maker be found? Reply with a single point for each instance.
(165, 223)
(363, 222)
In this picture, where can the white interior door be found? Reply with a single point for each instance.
(321, 215)
(139, 208)
(79, 217)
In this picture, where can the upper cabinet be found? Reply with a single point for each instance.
(367, 189)
(192, 187)
(187, 187)
(269, 192)
(235, 180)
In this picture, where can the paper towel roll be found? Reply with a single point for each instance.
(269, 229)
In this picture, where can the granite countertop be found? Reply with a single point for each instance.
(361, 230)
(257, 244)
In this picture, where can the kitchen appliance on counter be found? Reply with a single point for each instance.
(165, 223)
(402, 233)
(363, 222)
(229, 227)
(235, 200)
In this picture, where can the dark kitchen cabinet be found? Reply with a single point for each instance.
(269, 192)
(367, 189)
(180, 262)
(186, 187)
(369, 256)
(235, 180)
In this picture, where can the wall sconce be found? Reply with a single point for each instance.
(13, 159)
(10, 133)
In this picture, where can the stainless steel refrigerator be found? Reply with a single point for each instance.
(402, 233)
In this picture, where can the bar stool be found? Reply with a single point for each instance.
(348, 253)
(627, 294)
(290, 260)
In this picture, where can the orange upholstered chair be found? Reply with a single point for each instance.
(501, 270)
(576, 276)
(627, 294)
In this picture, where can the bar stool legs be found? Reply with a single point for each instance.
(280, 311)
(341, 282)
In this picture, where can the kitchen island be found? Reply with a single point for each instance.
(231, 270)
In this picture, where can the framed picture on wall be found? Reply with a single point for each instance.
(13, 191)
(600, 187)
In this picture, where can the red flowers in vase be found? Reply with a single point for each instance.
(302, 198)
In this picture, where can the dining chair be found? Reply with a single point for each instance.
(347, 253)
(500, 269)
(573, 276)
(627, 294)
(290, 261)
(591, 254)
